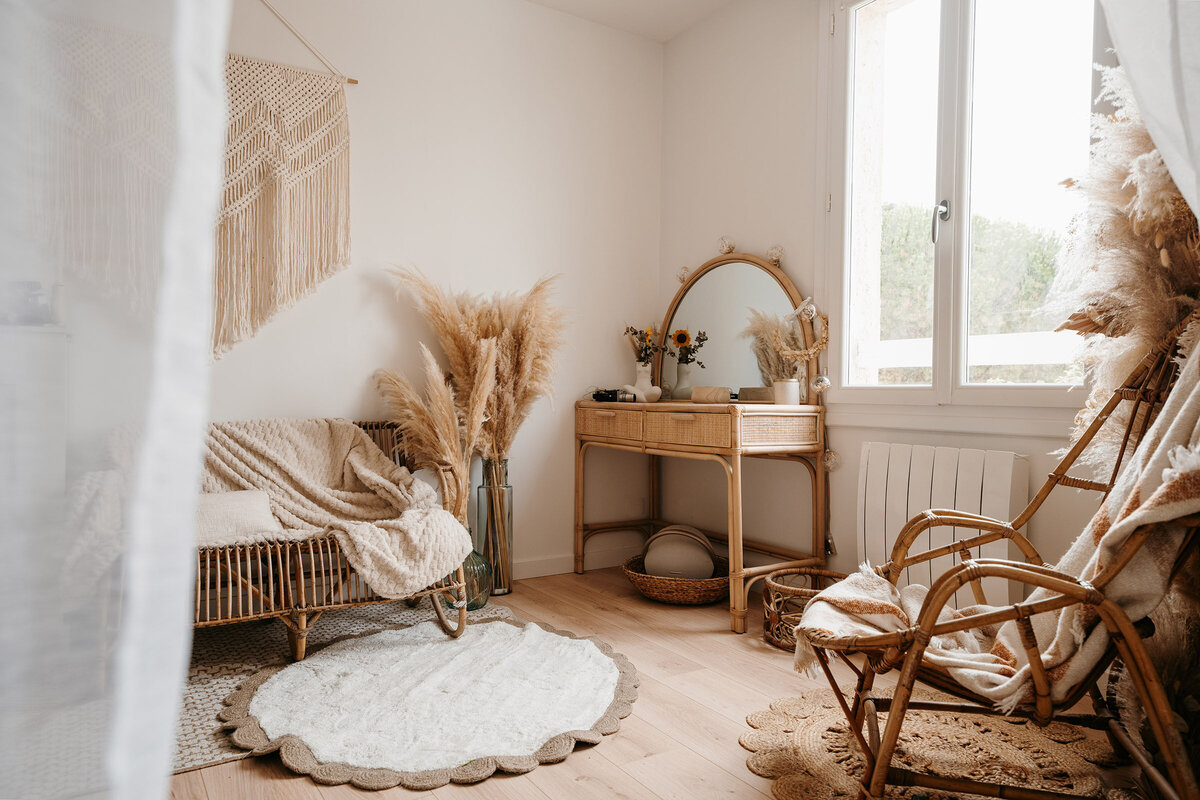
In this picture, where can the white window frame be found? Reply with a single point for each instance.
(831, 243)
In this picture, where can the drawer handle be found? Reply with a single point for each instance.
(606, 413)
(684, 417)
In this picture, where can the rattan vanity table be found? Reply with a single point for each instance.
(723, 433)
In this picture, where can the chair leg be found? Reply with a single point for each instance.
(460, 603)
(1154, 702)
(875, 777)
(866, 682)
(872, 725)
(298, 634)
(1107, 706)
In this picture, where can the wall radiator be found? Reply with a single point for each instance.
(898, 481)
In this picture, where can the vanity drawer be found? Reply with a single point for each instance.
(675, 427)
(610, 423)
(780, 430)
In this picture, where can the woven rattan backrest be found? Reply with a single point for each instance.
(386, 435)
(1136, 403)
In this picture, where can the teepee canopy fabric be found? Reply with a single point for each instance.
(110, 172)
(1156, 41)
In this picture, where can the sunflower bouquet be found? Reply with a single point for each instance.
(644, 343)
(688, 346)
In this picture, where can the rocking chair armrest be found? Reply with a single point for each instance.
(1068, 591)
(991, 530)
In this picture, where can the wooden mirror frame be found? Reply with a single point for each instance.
(785, 283)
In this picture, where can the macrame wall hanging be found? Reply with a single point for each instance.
(284, 224)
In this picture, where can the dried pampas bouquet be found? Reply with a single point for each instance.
(501, 351)
(778, 342)
(443, 429)
(764, 330)
(1131, 269)
(527, 331)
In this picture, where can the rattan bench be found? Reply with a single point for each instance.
(297, 581)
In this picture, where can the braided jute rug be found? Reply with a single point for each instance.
(804, 743)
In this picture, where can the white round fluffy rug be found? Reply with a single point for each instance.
(412, 707)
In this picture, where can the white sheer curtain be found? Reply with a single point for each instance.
(111, 125)
(1158, 42)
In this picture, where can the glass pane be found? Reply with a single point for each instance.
(893, 169)
(1029, 131)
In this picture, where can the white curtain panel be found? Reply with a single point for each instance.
(111, 128)
(1158, 42)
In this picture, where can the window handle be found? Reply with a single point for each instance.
(940, 212)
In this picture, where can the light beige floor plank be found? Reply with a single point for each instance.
(745, 659)
(672, 770)
(698, 683)
(588, 775)
(642, 651)
(707, 733)
(498, 787)
(189, 786)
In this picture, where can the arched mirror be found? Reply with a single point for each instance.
(731, 299)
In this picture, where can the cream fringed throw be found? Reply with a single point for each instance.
(284, 224)
(1161, 483)
(326, 474)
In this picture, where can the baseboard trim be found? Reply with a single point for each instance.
(597, 558)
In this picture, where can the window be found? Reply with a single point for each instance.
(962, 119)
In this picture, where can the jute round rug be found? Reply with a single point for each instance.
(414, 708)
(804, 743)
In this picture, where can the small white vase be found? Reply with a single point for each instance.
(642, 389)
(683, 382)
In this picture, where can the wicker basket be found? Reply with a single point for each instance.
(787, 593)
(680, 591)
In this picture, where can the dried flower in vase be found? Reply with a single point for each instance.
(687, 346)
(443, 428)
(644, 342)
(527, 330)
(1131, 266)
(765, 330)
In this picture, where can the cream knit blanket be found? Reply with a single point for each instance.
(328, 475)
(1161, 483)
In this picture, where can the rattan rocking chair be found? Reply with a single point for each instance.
(1145, 389)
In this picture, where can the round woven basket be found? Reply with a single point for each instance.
(680, 591)
(786, 594)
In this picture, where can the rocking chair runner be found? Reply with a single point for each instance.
(1146, 389)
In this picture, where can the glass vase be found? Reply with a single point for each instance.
(494, 529)
(478, 573)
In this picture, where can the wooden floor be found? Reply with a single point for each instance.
(698, 683)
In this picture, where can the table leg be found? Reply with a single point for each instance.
(737, 594)
(580, 452)
(655, 489)
(820, 508)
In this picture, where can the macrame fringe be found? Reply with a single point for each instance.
(285, 218)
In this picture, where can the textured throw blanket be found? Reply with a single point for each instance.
(327, 475)
(1161, 483)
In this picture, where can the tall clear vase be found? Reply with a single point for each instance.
(494, 531)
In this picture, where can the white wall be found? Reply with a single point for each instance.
(740, 158)
(492, 142)
(739, 90)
